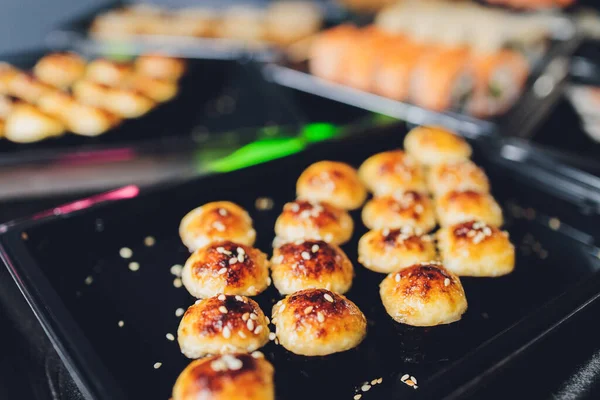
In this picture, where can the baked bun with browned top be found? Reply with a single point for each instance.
(388, 250)
(318, 322)
(27, 123)
(476, 249)
(226, 267)
(222, 324)
(219, 220)
(310, 264)
(412, 209)
(434, 145)
(424, 294)
(302, 219)
(106, 72)
(456, 207)
(226, 377)
(159, 66)
(333, 182)
(457, 176)
(392, 172)
(27, 87)
(60, 70)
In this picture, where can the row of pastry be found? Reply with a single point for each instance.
(64, 92)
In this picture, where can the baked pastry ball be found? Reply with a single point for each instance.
(392, 171)
(389, 250)
(424, 294)
(310, 264)
(26, 87)
(108, 72)
(456, 207)
(412, 209)
(334, 182)
(226, 267)
(7, 74)
(156, 89)
(303, 219)
(219, 220)
(457, 175)
(226, 377)
(127, 103)
(90, 93)
(60, 70)
(27, 124)
(476, 249)
(159, 66)
(222, 324)
(318, 322)
(434, 145)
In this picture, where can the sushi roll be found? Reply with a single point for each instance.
(327, 56)
(499, 79)
(443, 80)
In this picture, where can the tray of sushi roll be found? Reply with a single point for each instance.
(465, 66)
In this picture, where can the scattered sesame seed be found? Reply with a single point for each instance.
(24, 236)
(177, 282)
(121, 323)
(222, 271)
(126, 252)
(234, 363)
(89, 280)
(281, 308)
(258, 330)
(241, 251)
(226, 332)
(219, 226)
(380, 380)
(157, 365)
(149, 241)
(134, 266)
(239, 298)
(263, 203)
(176, 270)
(305, 255)
(365, 387)
(222, 297)
(357, 396)
(446, 282)
(328, 297)
(315, 248)
(223, 309)
(397, 277)
(179, 312)
(320, 317)
(250, 325)
(412, 378)
(374, 382)
(233, 260)
(257, 354)
(240, 258)
(405, 377)
(554, 223)
(245, 317)
(253, 316)
(242, 334)
(170, 337)
(308, 310)
(222, 212)
(272, 336)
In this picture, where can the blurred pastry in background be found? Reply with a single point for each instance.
(457, 175)
(160, 66)
(242, 22)
(7, 74)
(60, 70)
(287, 22)
(431, 145)
(365, 6)
(194, 22)
(106, 72)
(533, 4)
(28, 88)
(333, 182)
(462, 206)
(398, 210)
(127, 103)
(390, 172)
(26, 123)
(155, 89)
(90, 93)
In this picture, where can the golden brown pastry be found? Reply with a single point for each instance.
(389, 250)
(27, 124)
(456, 207)
(302, 219)
(156, 89)
(60, 70)
(289, 21)
(127, 103)
(7, 74)
(458, 176)
(476, 249)
(6, 105)
(310, 264)
(159, 66)
(226, 267)
(90, 93)
(195, 22)
(423, 295)
(412, 209)
(226, 377)
(434, 145)
(27, 88)
(317, 322)
(333, 182)
(243, 22)
(106, 72)
(219, 220)
(222, 324)
(114, 24)
(391, 172)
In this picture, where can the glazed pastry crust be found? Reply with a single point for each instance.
(226, 267)
(222, 324)
(302, 219)
(457, 176)
(308, 264)
(219, 220)
(435, 145)
(456, 207)
(392, 172)
(228, 377)
(389, 250)
(412, 209)
(423, 295)
(333, 182)
(476, 249)
(318, 322)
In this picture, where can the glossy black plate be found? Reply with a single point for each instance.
(67, 264)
